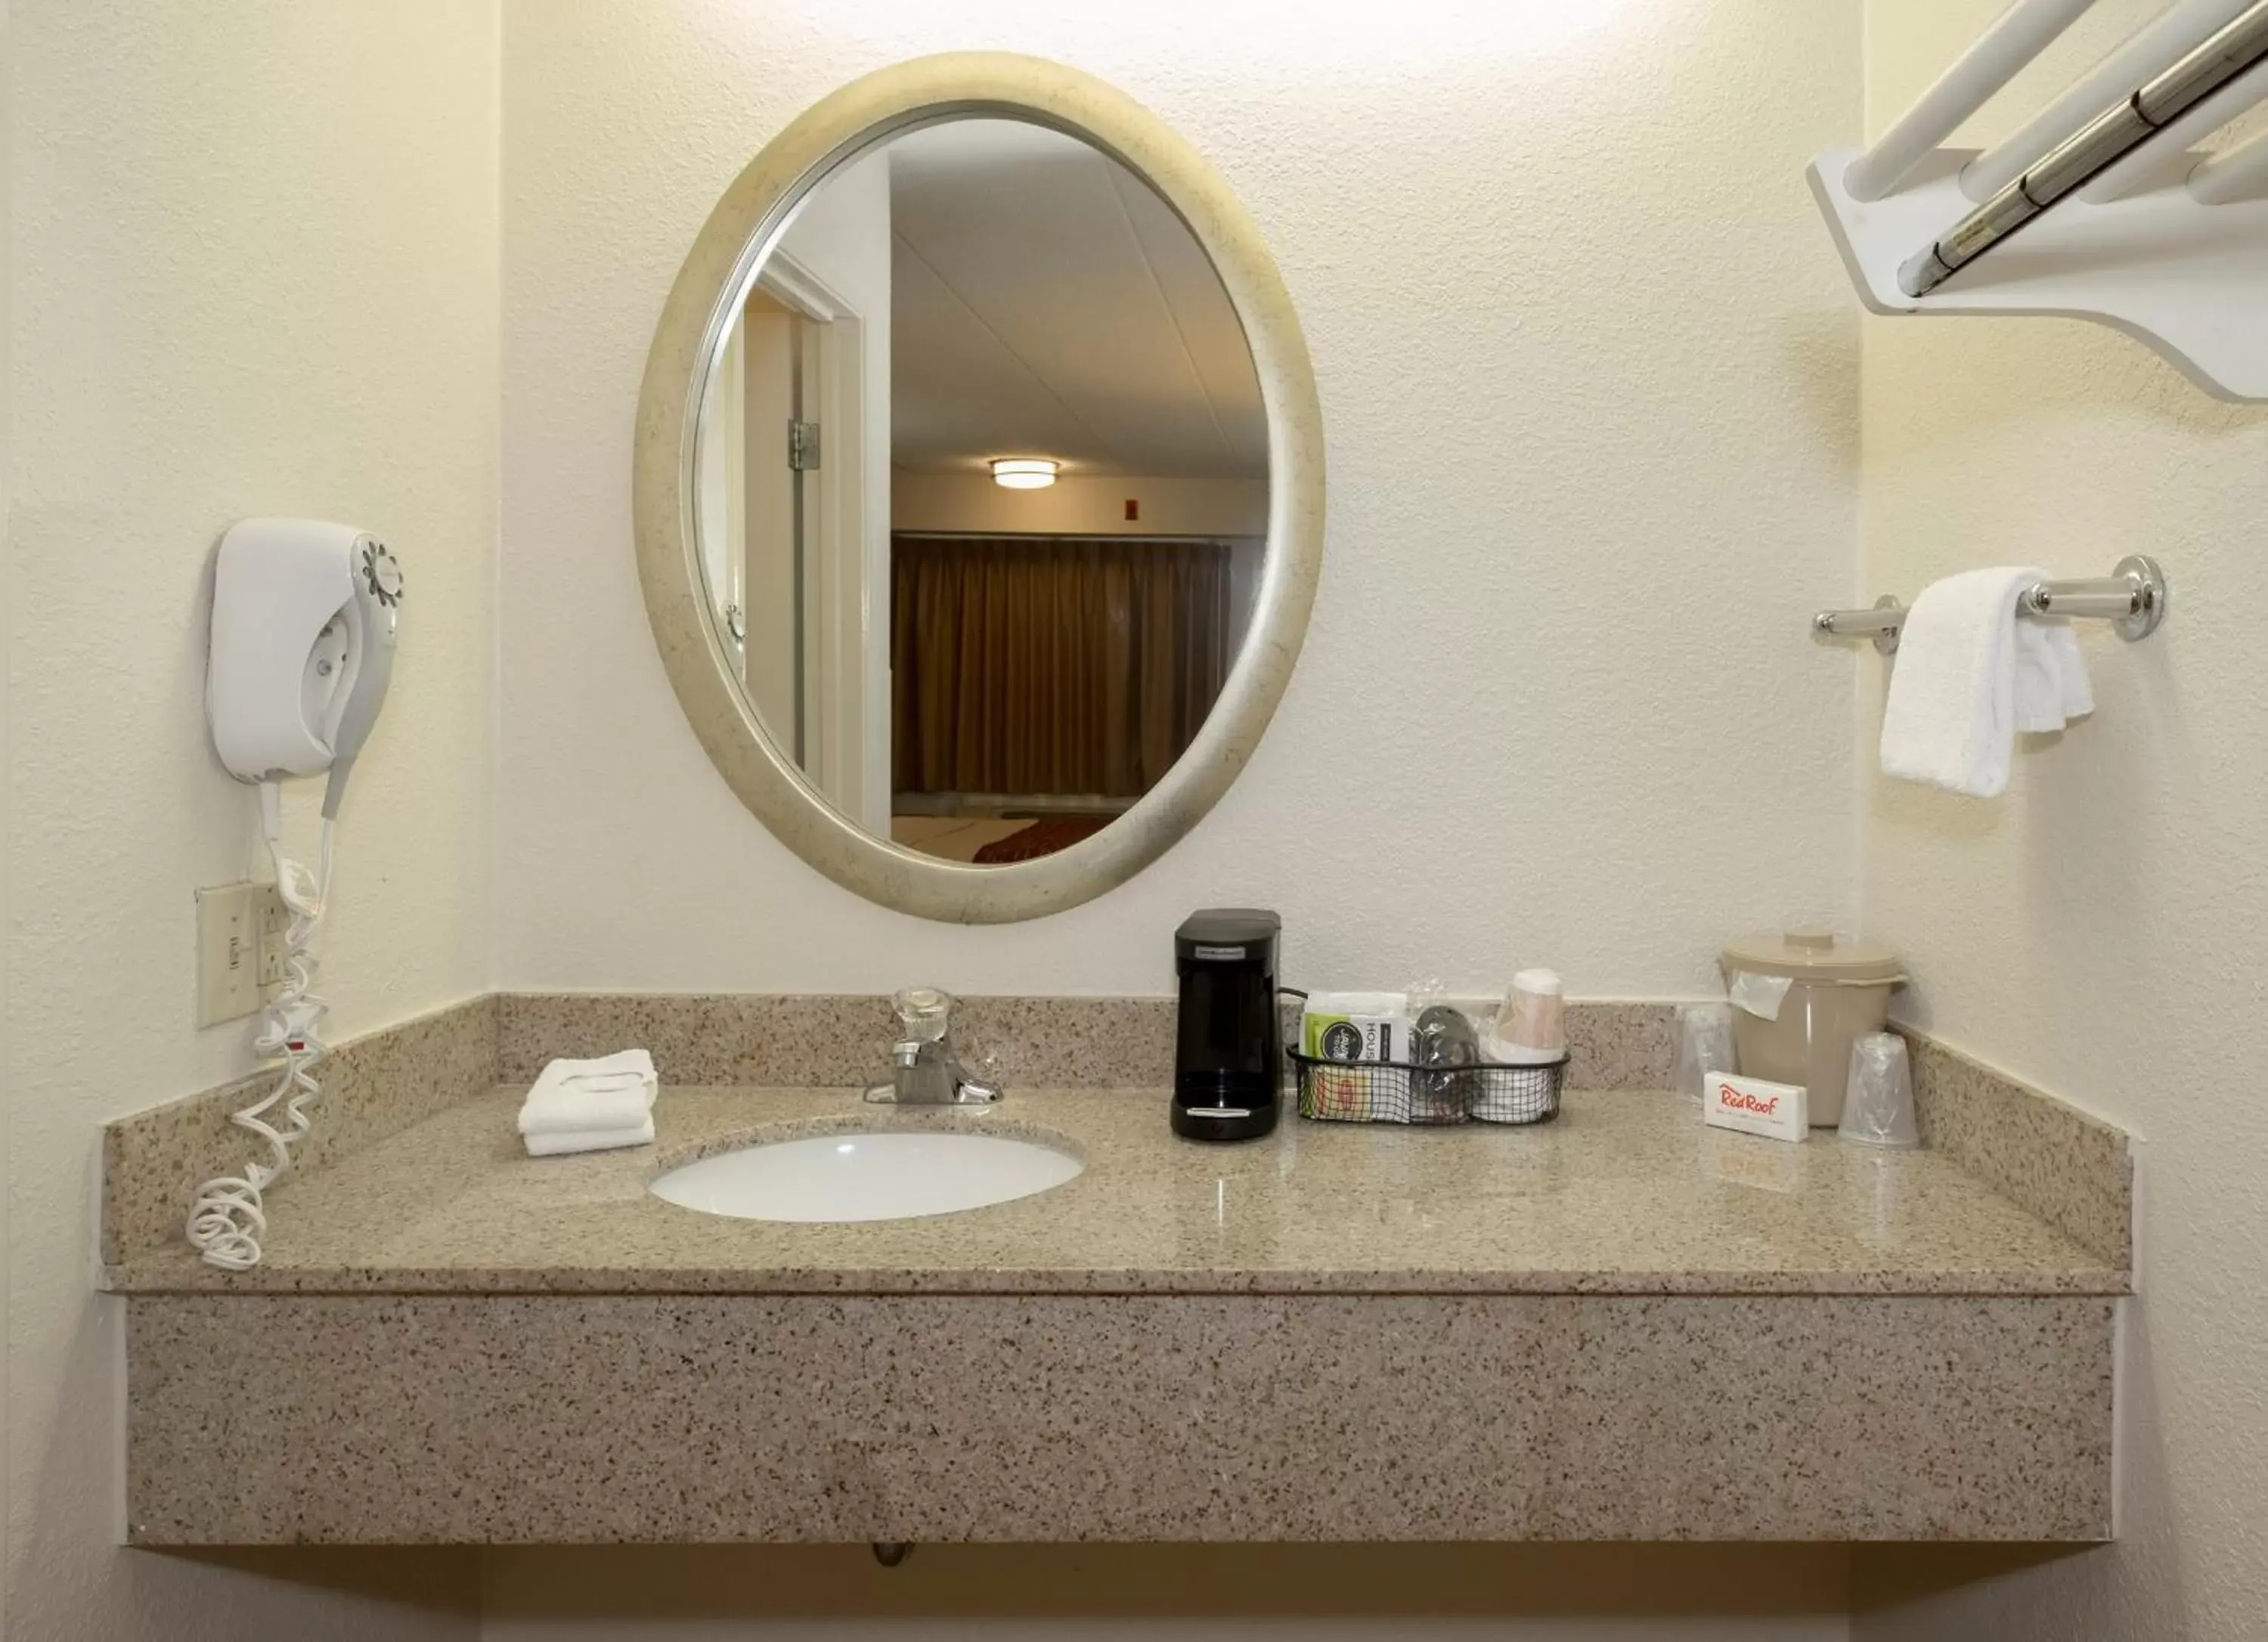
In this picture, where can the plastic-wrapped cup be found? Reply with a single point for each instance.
(1705, 1045)
(1879, 1108)
(1533, 1015)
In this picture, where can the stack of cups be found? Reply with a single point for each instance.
(1705, 1046)
(1531, 1024)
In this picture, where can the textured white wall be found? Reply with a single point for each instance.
(1586, 366)
(2100, 930)
(7, 733)
(254, 271)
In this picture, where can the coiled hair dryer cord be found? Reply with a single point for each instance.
(228, 1218)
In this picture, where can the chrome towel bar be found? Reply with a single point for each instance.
(2133, 599)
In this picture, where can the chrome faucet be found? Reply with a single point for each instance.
(925, 1068)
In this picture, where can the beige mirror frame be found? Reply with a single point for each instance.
(718, 272)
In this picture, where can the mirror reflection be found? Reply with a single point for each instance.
(981, 490)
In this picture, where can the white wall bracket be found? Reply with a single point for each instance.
(2188, 279)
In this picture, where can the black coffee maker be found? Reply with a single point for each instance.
(1228, 1060)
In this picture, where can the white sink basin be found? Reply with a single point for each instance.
(866, 1177)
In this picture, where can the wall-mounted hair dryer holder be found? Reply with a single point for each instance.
(304, 617)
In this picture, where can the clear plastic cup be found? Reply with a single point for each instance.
(1878, 1110)
(1705, 1045)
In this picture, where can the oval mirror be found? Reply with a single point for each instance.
(979, 486)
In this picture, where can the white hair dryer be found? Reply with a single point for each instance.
(305, 615)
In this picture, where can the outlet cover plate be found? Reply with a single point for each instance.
(230, 921)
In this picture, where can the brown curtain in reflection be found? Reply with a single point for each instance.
(1051, 663)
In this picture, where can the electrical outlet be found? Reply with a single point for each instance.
(275, 923)
(228, 952)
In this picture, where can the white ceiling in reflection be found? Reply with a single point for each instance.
(1045, 302)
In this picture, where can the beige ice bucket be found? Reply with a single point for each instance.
(1839, 991)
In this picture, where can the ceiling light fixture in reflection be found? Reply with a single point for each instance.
(1024, 473)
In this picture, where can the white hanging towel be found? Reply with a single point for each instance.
(1970, 674)
(2052, 687)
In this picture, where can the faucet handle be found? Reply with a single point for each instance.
(968, 1091)
(977, 1078)
(925, 1012)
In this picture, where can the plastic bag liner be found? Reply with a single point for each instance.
(1761, 995)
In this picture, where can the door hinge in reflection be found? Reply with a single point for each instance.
(802, 445)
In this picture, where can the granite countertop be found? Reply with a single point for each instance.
(1626, 1193)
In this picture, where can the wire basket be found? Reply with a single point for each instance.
(1395, 1091)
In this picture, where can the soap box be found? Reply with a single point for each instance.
(1755, 1107)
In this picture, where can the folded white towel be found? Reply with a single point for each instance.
(1967, 679)
(563, 1141)
(580, 1096)
(622, 1063)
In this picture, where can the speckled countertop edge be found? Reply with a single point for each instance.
(169, 1275)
